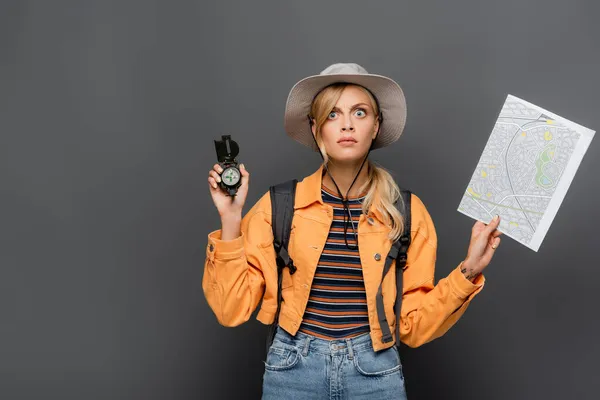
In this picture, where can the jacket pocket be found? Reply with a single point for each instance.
(286, 280)
(383, 362)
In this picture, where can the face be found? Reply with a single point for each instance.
(350, 127)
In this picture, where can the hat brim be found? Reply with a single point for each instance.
(388, 93)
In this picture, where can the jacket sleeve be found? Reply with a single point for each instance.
(429, 311)
(236, 271)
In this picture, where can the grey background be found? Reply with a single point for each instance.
(108, 111)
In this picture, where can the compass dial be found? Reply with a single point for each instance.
(231, 176)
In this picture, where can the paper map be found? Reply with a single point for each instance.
(525, 171)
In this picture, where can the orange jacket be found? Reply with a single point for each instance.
(238, 273)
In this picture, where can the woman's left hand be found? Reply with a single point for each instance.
(484, 242)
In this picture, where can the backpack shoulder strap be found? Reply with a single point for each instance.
(405, 238)
(282, 213)
(401, 260)
(398, 252)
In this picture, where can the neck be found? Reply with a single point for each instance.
(344, 175)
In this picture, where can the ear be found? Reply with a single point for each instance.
(313, 127)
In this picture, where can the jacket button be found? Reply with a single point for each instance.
(377, 256)
(211, 247)
(371, 221)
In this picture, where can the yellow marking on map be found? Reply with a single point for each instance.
(491, 166)
(547, 135)
(512, 223)
(472, 192)
(483, 174)
(524, 134)
(489, 194)
(550, 121)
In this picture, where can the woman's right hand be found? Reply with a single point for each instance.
(223, 202)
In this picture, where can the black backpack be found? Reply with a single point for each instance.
(282, 208)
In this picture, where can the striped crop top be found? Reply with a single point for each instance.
(337, 303)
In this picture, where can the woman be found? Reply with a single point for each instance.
(329, 341)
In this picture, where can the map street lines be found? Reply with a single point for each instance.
(525, 170)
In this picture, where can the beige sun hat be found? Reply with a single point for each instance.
(387, 92)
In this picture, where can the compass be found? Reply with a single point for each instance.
(231, 177)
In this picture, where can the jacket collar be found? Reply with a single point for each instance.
(308, 191)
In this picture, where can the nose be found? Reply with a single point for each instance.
(348, 125)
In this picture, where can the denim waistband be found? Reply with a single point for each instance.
(309, 343)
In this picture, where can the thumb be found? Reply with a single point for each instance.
(245, 173)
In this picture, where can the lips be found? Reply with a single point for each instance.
(347, 139)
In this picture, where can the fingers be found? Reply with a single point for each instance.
(495, 242)
(212, 182)
(213, 176)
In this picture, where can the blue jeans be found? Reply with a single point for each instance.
(307, 367)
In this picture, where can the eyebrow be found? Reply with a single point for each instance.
(351, 108)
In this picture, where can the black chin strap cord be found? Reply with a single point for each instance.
(347, 212)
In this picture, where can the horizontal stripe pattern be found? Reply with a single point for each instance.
(337, 304)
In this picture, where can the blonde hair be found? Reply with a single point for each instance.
(382, 188)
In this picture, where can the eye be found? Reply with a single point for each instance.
(360, 112)
(332, 115)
